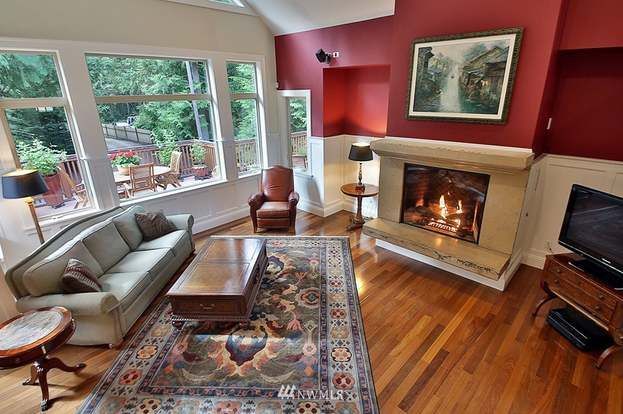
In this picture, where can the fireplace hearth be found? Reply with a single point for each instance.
(443, 200)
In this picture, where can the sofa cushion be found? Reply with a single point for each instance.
(44, 277)
(274, 209)
(128, 228)
(79, 278)
(175, 241)
(153, 225)
(126, 287)
(152, 261)
(106, 245)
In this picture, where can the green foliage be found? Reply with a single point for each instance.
(35, 155)
(241, 77)
(28, 76)
(298, 114)
(244, 118)
(166, 144)
(124, 159)
(198, 153)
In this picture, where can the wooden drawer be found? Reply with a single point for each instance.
(204, 305)
(560, 286)
(569, 276)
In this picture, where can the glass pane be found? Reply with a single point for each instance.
(176, 137)
(28, 76)
(297, 129)
(44, 143)
(112, 75)
(244, 117)
(241, 77)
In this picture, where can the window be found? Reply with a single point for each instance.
(242, 78)
(157, 119)
(38, 116)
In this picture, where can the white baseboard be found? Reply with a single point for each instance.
(224, 217)
(311, 207)
(332, 207)
(499, 284)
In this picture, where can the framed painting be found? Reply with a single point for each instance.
(466, 77)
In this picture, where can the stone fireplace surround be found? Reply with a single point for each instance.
(495, 258)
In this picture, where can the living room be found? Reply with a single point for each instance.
(286, 206)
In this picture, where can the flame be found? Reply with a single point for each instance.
(442, 207)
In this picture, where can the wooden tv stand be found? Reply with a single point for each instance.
(587, 294)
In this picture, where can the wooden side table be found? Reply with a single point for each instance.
(352, 191)
(30, 337)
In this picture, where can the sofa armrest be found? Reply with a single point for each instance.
(256, 201)
(91, 303)
(183, 222)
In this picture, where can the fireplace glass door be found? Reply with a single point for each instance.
(445, 201)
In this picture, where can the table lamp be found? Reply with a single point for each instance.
(25, 184)
(360, 151)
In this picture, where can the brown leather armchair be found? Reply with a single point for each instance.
(275, 205)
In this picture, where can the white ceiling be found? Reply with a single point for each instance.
(290, 16)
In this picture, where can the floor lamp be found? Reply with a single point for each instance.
(25, 184)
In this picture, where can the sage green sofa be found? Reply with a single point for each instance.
(132, 272)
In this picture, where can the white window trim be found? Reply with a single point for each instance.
(284, 130)
(81, 99)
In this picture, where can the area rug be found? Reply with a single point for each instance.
(303, 351)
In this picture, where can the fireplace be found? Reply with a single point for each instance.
(443, 200)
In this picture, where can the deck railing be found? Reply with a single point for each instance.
(246, 157)
(298, 142)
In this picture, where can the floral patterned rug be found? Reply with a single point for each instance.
(303, 351)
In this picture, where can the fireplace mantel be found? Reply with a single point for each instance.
(455, 154)
(491, 260)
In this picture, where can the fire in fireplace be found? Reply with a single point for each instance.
(446, 201)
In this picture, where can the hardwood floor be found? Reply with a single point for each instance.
(438, 343)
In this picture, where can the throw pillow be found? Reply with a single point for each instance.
(153, 225)
(79, 278)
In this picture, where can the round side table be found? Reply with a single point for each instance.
(352, 191)
(30, 337)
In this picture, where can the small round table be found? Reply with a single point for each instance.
(352, 191)
(30, 337)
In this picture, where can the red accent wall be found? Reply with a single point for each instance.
(593, 24)
(360, 44)
(355, 100)
(589, 105)
(415, 19)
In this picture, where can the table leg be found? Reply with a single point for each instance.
(358, 220)
(39, 373)
(605, 354)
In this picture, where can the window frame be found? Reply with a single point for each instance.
(55, 102)
(257, 96)
(174, 97)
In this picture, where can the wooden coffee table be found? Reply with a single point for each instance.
(221, 283)
(30, 337)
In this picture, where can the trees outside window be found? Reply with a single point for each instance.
(156, 107)
(36, 112)
(242, 79)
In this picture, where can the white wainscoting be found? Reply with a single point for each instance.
(554, 178)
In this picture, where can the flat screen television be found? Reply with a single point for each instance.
(593, 228)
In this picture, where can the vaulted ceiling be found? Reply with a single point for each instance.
(290, 16)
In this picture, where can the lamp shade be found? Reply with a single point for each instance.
(23, 183)
(360, 152)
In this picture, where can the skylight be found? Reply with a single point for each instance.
(237, 6)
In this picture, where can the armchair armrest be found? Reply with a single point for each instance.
(256, 201)
(92, 303)
(182, 222)
(293, 199)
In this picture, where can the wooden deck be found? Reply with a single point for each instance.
(438, 343)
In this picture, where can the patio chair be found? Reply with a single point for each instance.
(172, 177)
(141, 178)
(78, 191)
